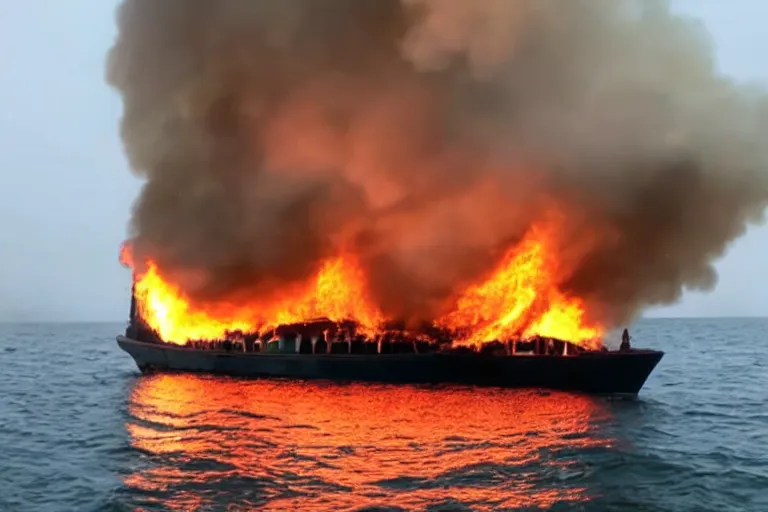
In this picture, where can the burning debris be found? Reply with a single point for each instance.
(499, 170)
(324, 336)
(337, 295)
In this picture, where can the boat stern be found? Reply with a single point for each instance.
(148, 358)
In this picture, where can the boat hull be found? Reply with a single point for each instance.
(598, 372)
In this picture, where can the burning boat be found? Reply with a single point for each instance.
(342, 351)
(520, 191)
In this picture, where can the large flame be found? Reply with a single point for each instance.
(337, 292)
(520, 299)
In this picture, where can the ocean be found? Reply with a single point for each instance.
(81, 430)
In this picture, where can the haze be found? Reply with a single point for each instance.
(68, 191)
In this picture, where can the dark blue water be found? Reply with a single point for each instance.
(81, 430)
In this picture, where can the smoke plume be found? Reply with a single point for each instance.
(427, 136)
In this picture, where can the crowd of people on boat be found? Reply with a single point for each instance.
(346, 341)
(323, 343)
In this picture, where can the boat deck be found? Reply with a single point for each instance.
(592, 372)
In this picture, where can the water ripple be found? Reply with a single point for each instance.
(81, 430)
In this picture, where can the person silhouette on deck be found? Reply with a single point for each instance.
(625, 346)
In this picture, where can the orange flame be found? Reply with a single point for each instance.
(519, 300)
(336, 293)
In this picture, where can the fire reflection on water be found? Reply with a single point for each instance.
(316, 446)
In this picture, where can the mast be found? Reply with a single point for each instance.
(133, 302)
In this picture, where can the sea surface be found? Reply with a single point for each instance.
(82, 430)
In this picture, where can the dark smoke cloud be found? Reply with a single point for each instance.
(427, 136)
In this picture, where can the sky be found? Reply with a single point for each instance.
(67, 190)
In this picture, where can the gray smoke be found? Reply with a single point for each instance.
(427, 136)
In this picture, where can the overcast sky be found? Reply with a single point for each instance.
(67, 191)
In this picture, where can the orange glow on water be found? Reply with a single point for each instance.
(280, 445)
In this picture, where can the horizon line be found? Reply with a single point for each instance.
(683, 317)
